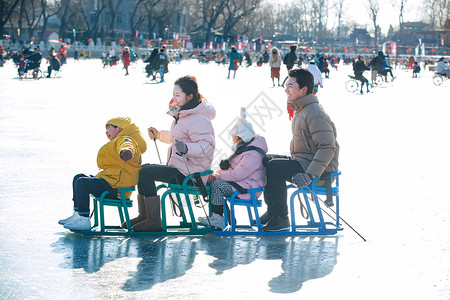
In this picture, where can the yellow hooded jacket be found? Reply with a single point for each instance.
(117, 172)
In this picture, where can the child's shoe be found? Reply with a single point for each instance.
(215, 219)
(69, 219)
(82, 223)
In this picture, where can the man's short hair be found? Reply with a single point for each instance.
(303, 77)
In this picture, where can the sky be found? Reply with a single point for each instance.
(356, 10)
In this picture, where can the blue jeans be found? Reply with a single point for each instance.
(84, 185)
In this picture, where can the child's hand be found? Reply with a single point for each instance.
(126, 154)
(211, 178)
(153, 133)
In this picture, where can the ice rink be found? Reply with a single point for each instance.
(395, 148)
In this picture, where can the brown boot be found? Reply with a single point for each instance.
(153, 221)
(142, 213)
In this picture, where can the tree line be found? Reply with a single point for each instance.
(305, 19)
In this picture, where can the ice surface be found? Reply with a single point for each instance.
(394, 162)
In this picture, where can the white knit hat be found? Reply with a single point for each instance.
(242, 128)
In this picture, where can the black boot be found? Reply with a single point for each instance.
(277, 223)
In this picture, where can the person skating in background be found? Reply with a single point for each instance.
(234, 61)
(359, 66)
(126, 58)
(62, 54)
(33, 61)
(242, 170)
(54, 64)
(289, 60)
(266, 56)
(416, 69)
(318, 80)
(161, 63)
(442, 67)
(384, 67)
(322, 65)
(150, 67)
(119, 161)
(275, 64)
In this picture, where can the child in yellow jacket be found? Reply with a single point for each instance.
(119, 161)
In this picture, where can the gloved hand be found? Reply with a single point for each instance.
(153, 133)
(302, 179)
(126, 154)
(211, 178)
(181, 147)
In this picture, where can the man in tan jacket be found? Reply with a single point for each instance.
(314, 149)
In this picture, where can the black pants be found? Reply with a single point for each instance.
(359, 76)
(279, 171)
(386, 71)
(151, 173)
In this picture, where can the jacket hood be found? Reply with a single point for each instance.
(122, 122)
(260, 142)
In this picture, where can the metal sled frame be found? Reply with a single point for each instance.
(315, 225)
(185, 227)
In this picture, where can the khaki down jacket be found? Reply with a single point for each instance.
(314, 142)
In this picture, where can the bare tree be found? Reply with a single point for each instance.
(211, 10)
(260, 23)
(373, 9)
(320, 14)
(112, 6)
(234, 11)
(400, 5)
(137, 16)
(7, 7)
(92, 15)
(30, 12)
(47, 10)
(339, 7)
(437, 12)
(66, 12)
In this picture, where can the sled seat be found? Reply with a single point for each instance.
(190, 192)
(312, 210)
(121, 202)
(250, 204)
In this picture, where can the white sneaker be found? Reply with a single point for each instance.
(69, 219)
(82, 223)
(216, 221)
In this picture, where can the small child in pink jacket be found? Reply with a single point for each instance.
(244, 168)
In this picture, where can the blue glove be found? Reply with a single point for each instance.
(302, 179)
(181, 147)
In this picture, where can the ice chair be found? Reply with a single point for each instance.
(122, 205)
(252, 203)
(185, 227)
(316, 224)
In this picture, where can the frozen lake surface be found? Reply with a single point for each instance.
(394, 160)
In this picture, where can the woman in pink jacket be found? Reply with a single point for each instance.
(244, 169)
(191, 135)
